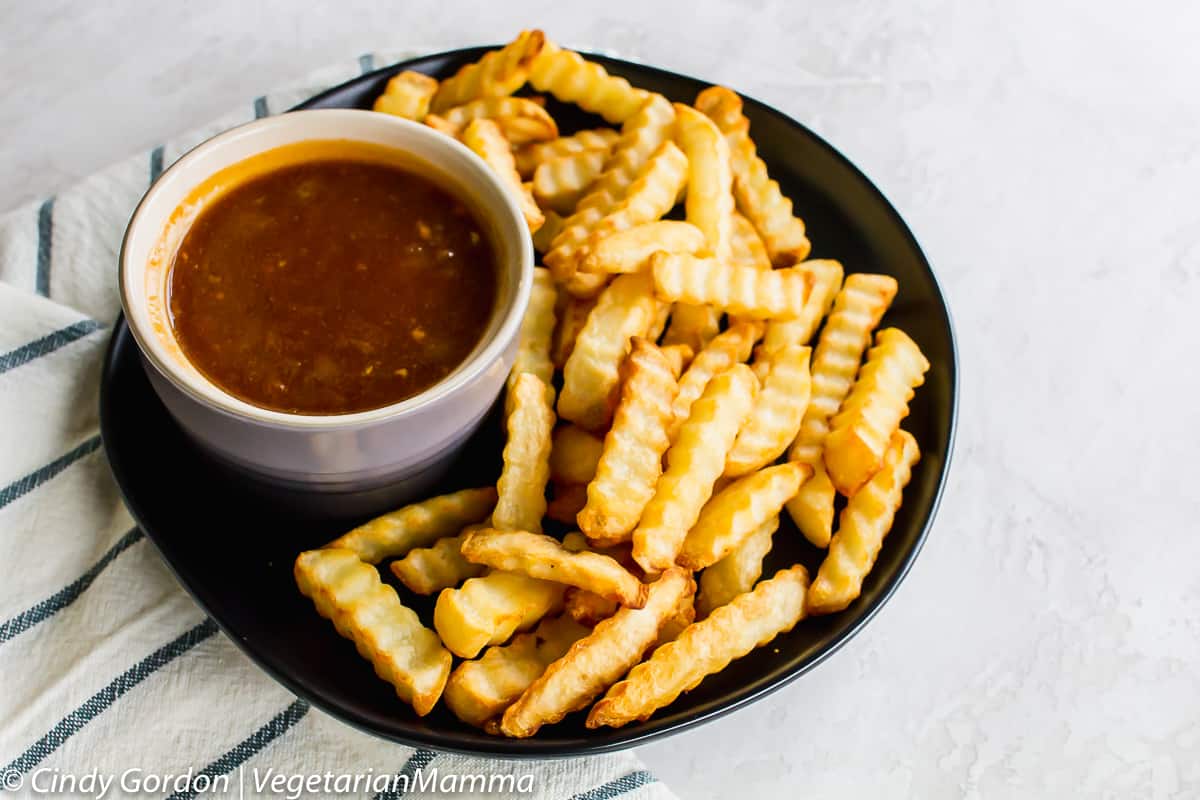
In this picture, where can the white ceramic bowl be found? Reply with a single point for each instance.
(399, 448)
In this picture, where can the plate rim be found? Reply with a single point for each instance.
(532, 748)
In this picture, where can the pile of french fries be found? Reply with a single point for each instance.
(667, 393)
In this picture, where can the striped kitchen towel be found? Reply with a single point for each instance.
(112, 677)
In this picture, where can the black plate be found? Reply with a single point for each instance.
(232, 545)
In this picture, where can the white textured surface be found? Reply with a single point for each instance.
(1047, 642)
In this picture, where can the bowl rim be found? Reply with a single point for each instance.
(208, 393)
(619, 739)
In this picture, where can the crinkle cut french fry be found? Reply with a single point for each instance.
(489, 609)
(520, 119)
(367, 611)
(417, 525)
(566, 501)
(543, 557)
(725, 350)
(407, 95)
(626, 309)
(641, 136)
(857, 309)
(736, 573)
(544, 235)
(871, 413)
(537, 331)
(571, 79)
(777, 411)
(480, 690)
(744, 291)
(631, 457)
(733, 630)
(558, 183)
(758, 197)
(747, 248)
(571, 320)
(531, 155)
(694, 462)
(499, 73)
(864, 523)
(827, 279)
(630, 250)
(648, 198)
(428, 570)
(574, 456)
(521, 490)
(738, 511)
(709, 201)
(487, 140)
(598, 660)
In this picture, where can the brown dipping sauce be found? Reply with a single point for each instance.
(332, 287)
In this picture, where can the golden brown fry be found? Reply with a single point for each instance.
(747, 248)
(428, 570)
(631, 458)
(575, 454)
(543, 557)
(567, 500)
(827, 280)
(521, 490)
(532, 155)
(758, 197)
(368, 612)
(596, 661)
(777, 411)
(860, 432)
(626, 309)
(641, 136)
(574, 315)
(864, 523)
(744, 291)
(727, 349)
(587, 608)
(544, 235)
(709, 202)
(407, 95)
(738, 511)
(858, 308)
(694, 462)
(489, 609)
(480, 690)
(417, 525)
(558, 183)
(537, 330)
(485, 138)
(571, 79)
(730, 632)
(497, 74)
(630, 250)
(736, 573)
(520, 119)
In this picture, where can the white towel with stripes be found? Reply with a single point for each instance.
(108, 668)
